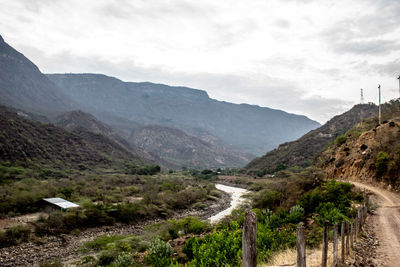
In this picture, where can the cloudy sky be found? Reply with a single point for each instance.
(303, 56)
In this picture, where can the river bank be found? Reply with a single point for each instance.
(66, 247)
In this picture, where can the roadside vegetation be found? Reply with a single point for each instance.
(280, 204)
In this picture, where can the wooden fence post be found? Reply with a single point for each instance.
(359, 219)
(351, 234)
(335, 245)
(301, 246)
(347, 239)
(249, 239)
(325, 245)
(357, 227)
(342, 241)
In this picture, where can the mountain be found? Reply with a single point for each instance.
(25, 140)
(250, 128)
(22, 85)
(176, 146)
(368, 151)
(303, 151)
(79, 121)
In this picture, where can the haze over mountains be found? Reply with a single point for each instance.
(176, 126)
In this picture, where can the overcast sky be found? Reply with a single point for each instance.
(308, 57)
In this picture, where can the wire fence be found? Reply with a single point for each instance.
(335, 249)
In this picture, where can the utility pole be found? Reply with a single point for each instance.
(398, 78)
(380, 114)
(362, 97)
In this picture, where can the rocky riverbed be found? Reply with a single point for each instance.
(66, 247)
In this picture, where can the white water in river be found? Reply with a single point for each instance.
(236, 195)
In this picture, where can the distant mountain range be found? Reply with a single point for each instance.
(303, 151)
(250, 128)
(174, 126)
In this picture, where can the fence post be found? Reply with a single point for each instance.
(301, 246)
(359, 212)
(249, 239)
(325, 245)
(342, 241)
(351, 234)
(347, 239)
(335, 245)
(357, 226)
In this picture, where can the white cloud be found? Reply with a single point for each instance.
(308, 57)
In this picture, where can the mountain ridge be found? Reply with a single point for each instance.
(242, 125)
(303, 150)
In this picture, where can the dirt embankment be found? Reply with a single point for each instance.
(65, 247)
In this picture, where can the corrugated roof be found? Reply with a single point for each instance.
(62, 203)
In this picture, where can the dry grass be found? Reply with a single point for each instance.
(314, 257)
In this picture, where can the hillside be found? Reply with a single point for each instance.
(368, 151)
(22, 85)
(81, 122)
(25, 140)
(176, 146)
(303, 151)
(250, 128)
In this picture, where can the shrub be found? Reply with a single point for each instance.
(107, 257)
(14, 235)
(124, 260)
(189, 225)
(217, 249)
(381, 163)
(159, 253)
(340, 140)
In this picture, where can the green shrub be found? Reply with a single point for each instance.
(159, 253)
(100, 242)
(14, 235)
(340, 140)
(188, 225)
(124, 260)
(267, 199)
(381, 163)
(107, 257)
(217, 249)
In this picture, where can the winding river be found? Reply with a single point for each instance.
(236, 195)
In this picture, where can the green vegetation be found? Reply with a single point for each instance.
(381, 163)
(14, 236)
(340, 140)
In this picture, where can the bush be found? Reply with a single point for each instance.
(189, 225)
(14, 235)
(340, 140)
(124, 260)
(217, 249)
(159, 253)
(381, 163)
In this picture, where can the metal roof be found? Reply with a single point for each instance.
(62, 203)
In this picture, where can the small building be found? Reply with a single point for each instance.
(59, 203)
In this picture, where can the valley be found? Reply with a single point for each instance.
(111, 157)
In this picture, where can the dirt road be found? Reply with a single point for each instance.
(386, 225)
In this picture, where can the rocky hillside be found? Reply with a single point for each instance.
(25, 140)
(22, 85)
(250, 128)
(80, 122)
(303, 151)
(368, 151)
(184, 150)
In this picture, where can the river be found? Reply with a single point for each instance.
(236, 199)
